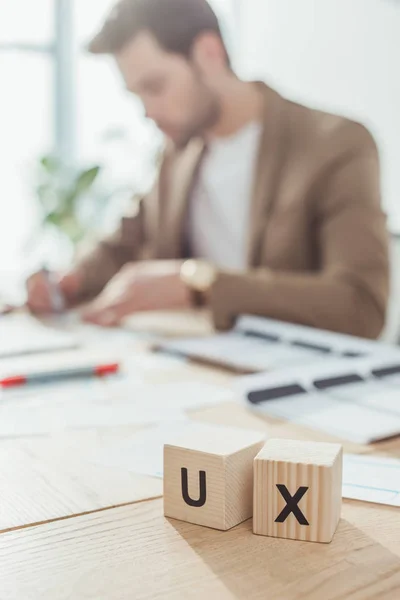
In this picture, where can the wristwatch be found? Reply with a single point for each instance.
(198, 275)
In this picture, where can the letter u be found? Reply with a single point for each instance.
(185, 490)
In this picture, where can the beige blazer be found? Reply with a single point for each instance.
(317, 242)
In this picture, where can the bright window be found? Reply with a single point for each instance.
(27, 22)
(54, 96)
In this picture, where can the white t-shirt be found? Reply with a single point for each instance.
(219, 209)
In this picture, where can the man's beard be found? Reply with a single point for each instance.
(208, 118)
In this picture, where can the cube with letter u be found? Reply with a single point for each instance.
(208, 478)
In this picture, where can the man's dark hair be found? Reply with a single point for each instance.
(174, 23)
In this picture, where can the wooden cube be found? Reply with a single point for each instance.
(298, 490)
(208, 476)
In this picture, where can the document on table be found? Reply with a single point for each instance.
(349, 421)
(365, 478)
(143, 453)
(45, 419)
(90, 403)
(382, 396)
(358, 400)
(371, 479)
(23, 334)
(259, 344)
(240, 353)
(180, 395)
(129, 388)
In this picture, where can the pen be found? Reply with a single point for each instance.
(61, 374)
(56, 297)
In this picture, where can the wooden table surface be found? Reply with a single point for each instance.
(73, 529)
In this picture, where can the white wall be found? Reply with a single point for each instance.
(342, 55)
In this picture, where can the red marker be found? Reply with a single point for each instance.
(61, 374)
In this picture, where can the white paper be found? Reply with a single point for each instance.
(364, 478)
(144, 452)
(338, 343)
(393, 380)
(179, 395)
(154, 362)
(344, 420)
(47, 418)
(371, 479)
(306, 375)
(361, 412)
(23, 334)
(87, 390)
(241, 351)
(380, 396)
(116, 400)
(355, 423)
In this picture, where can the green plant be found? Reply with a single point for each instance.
(61, 192)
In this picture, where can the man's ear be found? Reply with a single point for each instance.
(208, 52)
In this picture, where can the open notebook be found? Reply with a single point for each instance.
(357, 400)
(259, 344)
(22, 334)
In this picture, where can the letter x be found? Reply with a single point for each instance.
(291, 505)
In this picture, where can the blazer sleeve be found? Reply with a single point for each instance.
(99, 264)
(349, 293)
(134, 239)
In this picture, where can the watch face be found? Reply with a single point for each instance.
(204, 276)
(198, 274)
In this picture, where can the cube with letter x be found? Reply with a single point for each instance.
(208, 476)
(297, 490)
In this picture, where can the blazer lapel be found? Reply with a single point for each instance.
(176, 198)
(268, 167)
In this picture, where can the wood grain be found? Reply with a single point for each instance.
(218, 466)
(285, 468)
(47, 479)
(135, 553)
(43, 479)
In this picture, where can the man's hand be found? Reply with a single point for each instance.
(151, 285)
(39, 298)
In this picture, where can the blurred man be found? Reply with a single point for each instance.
(262, 206)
